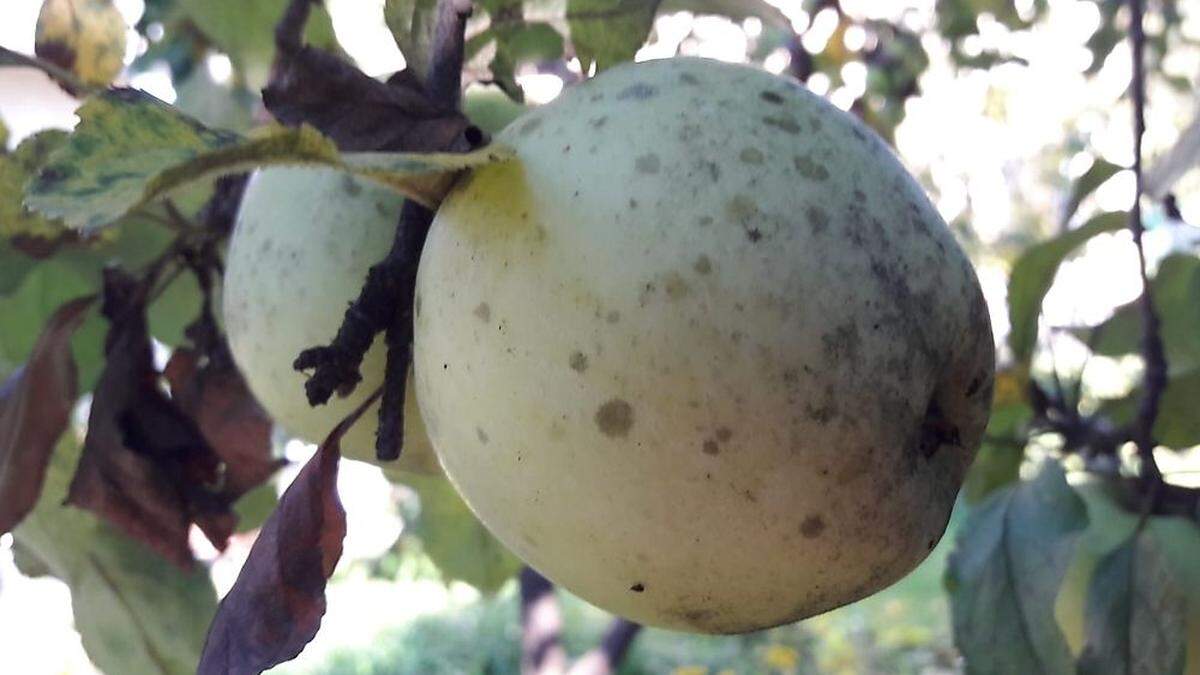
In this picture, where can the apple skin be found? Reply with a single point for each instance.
(704, 354)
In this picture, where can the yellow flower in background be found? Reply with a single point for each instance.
(690, 670)
(781, 657)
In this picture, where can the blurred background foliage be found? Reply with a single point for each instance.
(1015, 117)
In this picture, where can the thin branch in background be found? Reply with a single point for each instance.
(1152, 344)
(542, 652)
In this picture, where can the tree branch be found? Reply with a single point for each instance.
(542, 652)
(1152, 344)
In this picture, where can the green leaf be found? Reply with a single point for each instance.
(738, 10)
(608, 32)
(254, 507)
(176, 308)
(14, 265)
(1111, 525)
(998, 462)
(1176, 289)
(1177, 425)
(521, 43)
(1099, 172)
(1136, 613)
(245, 31)
(131, 148)
(1033, 274)
(1005, 572)
(412, 23)
(489, 109)
(16, 170)
(135, 612)
(455, 540)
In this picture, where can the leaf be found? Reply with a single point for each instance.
(146, 467)
(737, 10)
(1111, 525)
(245, 31)
(1136, 613)
(999, 459)
(35, 409)
(1005, 572)
(1096, 175)
(1033, 274)
(16, 169)
(608, 32)
(1176, 288)
(357, 112)
(214, 395)
(1173, 164)
(135, 612)
(14, 265)
(275, 607)
(131, 148)
(412, 23)
(455, 540)
(1177, 425)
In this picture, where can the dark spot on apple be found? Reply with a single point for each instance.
(483, 437)
(812, 527)
(530, 126)
(784, 124)
(688, 78)
(724, 434)
(615, 418)
(710, 447)
(810, 169)
(751, 156)
(771, 97)
(638, 92)
(483, 312)
(638, 587)
(648, 163)
(578, 362)
(703, 265)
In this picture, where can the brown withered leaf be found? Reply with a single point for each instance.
(213, 393)
(146, 467)
(357, 111)
(275, 607)
(35, 409)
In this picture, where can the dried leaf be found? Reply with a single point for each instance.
(275, 607)
(35, 408)
(146, 467)
(130, 148)
(359, 112)
(216, 397)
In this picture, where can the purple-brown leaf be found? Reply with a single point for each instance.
(213, 393)
(146, 467)
(35, 408)
(357, 111)
(275, 607)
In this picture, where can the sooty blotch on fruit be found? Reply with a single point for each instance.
(578, 362)
(751, 156)
(483, 437)
(615, 418)
(809, 168)
(648, 163)
(771, 97)
(638, 92)
(638, 587)
(710, 447)
(703, 265)
(812, 527)
(818, 219)
(483, 312)
(785, 124)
